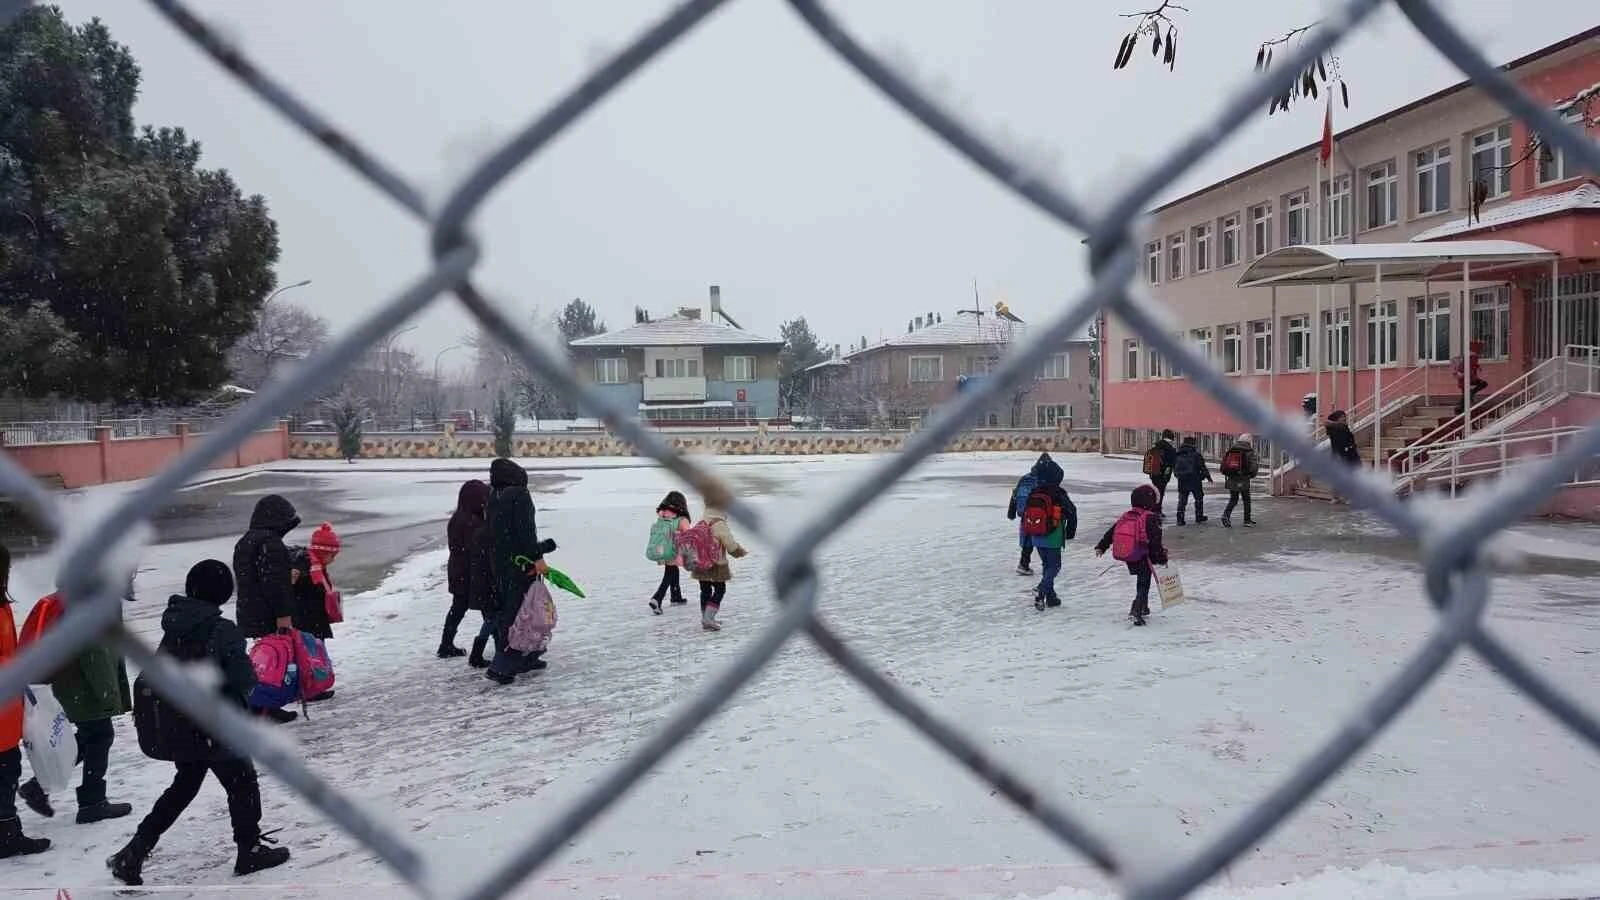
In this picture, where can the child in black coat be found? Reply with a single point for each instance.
(1135, 539)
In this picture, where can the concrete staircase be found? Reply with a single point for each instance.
(1400, 430)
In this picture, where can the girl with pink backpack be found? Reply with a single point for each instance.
(1135, 539)
(705, 548)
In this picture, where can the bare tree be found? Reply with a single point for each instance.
(283, 332)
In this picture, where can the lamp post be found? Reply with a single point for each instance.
(438, 389)
(287, 287)
(387, 401)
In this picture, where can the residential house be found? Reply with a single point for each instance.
(683, 370)
(903, 378)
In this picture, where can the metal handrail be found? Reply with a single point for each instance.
(1499, 463)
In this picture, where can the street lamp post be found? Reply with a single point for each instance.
(438, 389)
(389, 398)
(287, 287)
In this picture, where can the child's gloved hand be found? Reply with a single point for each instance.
(740, 553)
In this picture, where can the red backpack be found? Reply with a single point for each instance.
(1154, 461)
(1233, 462)
(1130, 537)
(1040, 515)
(700, 549)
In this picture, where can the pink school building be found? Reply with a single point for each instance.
(1404, 178)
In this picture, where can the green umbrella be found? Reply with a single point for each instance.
(561, 580)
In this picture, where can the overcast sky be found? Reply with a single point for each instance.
(746, 156)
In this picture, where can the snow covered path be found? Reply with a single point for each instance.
(1159, 735)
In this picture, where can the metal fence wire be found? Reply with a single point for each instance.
(1455, 577)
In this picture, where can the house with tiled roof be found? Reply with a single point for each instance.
(685, 370)
(903, 377)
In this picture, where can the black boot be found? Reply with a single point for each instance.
(499, 677)
(475, 658)
(448, 650)
(259, 856)
(37, 800)
(14, 843)
(100, 812)
(127, 866)
(534, 662)
(277, 716)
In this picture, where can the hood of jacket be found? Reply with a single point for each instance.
(473, 498)
(1145, 497)
(1243, 442)
(1048, 471)
(186, 617)
(275, 514)
(715, 515)
(504, 473)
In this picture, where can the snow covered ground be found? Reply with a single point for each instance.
(804, 786)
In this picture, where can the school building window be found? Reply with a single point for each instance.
(1202, 247)
(1130, 360)
(1491, 160)
(1383, 195)
(1046, 415)
(1433, 179)
(1553, 164)
(1336, 331)
(1232, 350)
(1261, 229)
(1230, 240)
(1174, 257)
(1054, 368)
(1296, 219)
(1491, 321)
(1430, 321)
(1336, 208)
(1152, 262)
(1261, 345)
(1299, 333)
(1201, 338)
(1383, 333)
(927, 368)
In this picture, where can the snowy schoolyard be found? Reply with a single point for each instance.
(805, 786)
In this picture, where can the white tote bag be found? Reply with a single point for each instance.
(49, 739)
(1170, 586)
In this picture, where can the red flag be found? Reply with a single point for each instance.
(1327, 132)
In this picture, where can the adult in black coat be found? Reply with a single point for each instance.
(469, 558)
(1341, 440)
(517, 560)
(193, 629)
(261, 568)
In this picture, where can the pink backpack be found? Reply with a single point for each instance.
(1130, 537)
(536, 619)
(271, 657)
(316, 669)
(699, 547)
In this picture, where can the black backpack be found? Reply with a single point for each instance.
(165, 733)
(1187, 464)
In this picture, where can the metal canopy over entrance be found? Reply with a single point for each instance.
(1307, 265)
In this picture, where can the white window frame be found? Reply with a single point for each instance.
(1426, 315)
(1382, 179)
(1554, 157)
(1228, 246)
(1297, 342)
(1231, 338)
(1336, 208)
(1152, 262)
(1130, 359)
(611, 370)
(1492, 304)
(1296, 218)
(1495, 143)
(1056, 367)
(979, 365)
(1156, 362)
(1261, 346)
(1046, 415)
(1175, 257)
(677, 367)
(1431, 174)
(1375, 316)
(1200, 238)
(1337, 341)
(732, 364)
(1260, 230)
(1201, 338)
(938, 369)
(1174, 370)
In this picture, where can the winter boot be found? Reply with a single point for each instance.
(127, 866)
(1226, 522)
(100, 810)
(259, 856)
(677, 600)
(1024, 570)
(278, 716)
(14, 843)
(655, 605)
(1249, 523)
(1038, 600)
(475, 658)
(708, 619)
(533, 662)
(1052, 601)
(448, 650)
(37, 800)
(500, 678)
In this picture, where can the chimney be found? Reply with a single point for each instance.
(930, 318)
(910, 326)
(716, 299)
(836, 353)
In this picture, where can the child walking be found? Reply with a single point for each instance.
(1135, 539)
(714, 579)
(672, 516)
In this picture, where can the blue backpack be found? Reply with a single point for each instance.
(1024, 489)
(662, 548)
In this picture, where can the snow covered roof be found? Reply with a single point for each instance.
(1359, 263)
(827, 363)
(957, 331)
(677, 331)
(1585, 196)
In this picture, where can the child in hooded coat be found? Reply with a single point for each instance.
(464, 536)
(1147, 503)
(714, 581)
(1049, 544)
(674, 507)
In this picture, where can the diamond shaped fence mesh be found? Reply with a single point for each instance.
(1455, 578)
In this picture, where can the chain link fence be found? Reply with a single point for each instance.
(1454, 574)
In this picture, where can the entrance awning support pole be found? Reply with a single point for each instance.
(1381, 335)
(1466, 352)
(1272, 378)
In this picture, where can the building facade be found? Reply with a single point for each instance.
(902, 379)
(683, 370)
(1407, 176)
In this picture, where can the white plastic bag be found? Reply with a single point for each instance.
(1170, 586)
(49, 739)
